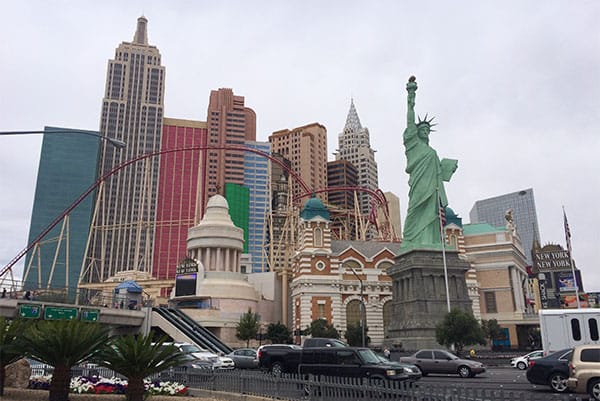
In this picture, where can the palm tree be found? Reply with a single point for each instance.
(63, 344)
(10, 338)
(137, 357)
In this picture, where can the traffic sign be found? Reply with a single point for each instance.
(30, 311)
(90, 315)
(56, 313)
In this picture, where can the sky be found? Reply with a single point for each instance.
(514, 87)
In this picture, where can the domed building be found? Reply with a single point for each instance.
(211, 288)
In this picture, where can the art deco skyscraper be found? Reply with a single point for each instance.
(132, 111)
(355, 147)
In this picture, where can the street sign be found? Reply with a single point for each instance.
(30, 311)
(89, 315)
(56, 313)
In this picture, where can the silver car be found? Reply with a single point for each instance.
(244, 358)
(442, 361)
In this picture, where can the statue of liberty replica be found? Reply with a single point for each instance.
(428, 277)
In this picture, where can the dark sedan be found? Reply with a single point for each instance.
(411, 371)
(551, 370)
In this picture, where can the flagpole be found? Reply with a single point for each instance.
(443, 238)
(568, 239)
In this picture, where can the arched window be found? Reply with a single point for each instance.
(318, 237)
(353, 313)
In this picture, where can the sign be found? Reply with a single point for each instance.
(30, 311)
(552, 260)
(187, 266)
(543, 292)
(90, 315)
(565, 282)
(57, 313)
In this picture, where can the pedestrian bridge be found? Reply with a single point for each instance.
(174, 322)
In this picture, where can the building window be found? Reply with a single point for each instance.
(490, 302)
(353, 313)
(321, 310)
(320, 266)
(318, 237)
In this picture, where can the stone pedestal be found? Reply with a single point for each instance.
(419, 295)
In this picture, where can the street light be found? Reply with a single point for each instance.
(115, 142)
(362, 306)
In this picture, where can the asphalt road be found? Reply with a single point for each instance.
(507, 379)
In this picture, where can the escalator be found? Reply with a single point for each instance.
(178, 325)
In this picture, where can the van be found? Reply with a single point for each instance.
(584, 371)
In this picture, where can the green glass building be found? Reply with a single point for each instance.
(68, 167)
(238, 198)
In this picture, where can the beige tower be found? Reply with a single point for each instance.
(122, 233)
(306, 148)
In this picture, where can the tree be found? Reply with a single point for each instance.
(248, 327)
(278, 333)
(354, 335)
(491, 329)
(63, 344)
(459, 328)
(321, 328)
(137, 357)
(10, 339)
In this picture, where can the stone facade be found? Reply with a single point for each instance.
(419, 295)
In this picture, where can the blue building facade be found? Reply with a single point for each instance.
(257, 178)
(68, 167)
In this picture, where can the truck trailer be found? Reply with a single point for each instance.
(567, 328)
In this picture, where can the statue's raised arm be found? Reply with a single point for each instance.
(411, 87)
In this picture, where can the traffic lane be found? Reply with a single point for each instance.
(493, 378)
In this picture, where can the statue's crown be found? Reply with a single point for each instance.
(426, 121)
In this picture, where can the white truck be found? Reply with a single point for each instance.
(566, 328)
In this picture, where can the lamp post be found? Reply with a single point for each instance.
(115, 142)
(362, 306)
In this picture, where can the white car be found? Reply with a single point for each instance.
(522, 362)
(226, 362)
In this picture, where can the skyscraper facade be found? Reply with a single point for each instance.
(522, 204)
(68, 165)
(342, 173)
(177, 193)
(257, 178)
(306, 149)
(354, 146)
(132, 111)
(230, 123)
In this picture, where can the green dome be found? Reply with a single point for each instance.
(314, 207)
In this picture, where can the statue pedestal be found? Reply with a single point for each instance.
(419, 295)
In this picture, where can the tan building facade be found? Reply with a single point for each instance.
(306, 149)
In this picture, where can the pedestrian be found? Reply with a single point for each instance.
(27, 295)
(386, 353)
(4, 293)
(472, 353)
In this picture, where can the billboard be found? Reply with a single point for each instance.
(551, 260)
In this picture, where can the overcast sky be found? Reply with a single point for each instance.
(514, 86)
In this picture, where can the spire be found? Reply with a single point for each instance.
(141, 33)
(352, 121)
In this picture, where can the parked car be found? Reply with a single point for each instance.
(218, 362)
(442, 361)
(522, 362)
(413, 372)
(551, 370)
(244, 358)
(584, 371)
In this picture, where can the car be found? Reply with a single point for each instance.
(244, 358)
(522, 362)
(413, 372)
(584, 371)
(441, 361)
(226, 362)
(551, 370)
(203, 355)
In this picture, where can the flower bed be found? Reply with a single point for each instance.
(114, 385)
